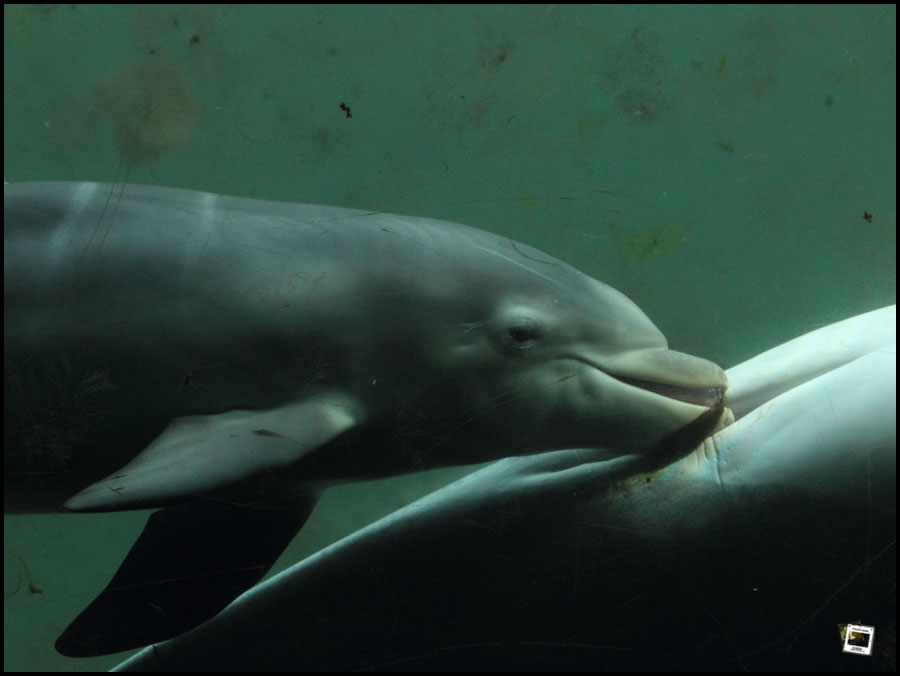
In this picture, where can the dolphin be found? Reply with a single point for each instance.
(744, 553)
(226, 359)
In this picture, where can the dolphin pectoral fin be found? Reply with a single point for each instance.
(198, 455)
(190, 562)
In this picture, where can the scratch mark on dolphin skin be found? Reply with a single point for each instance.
(471, 326)
(532, 258)
(434, 250)
(505, 257)
(276, 435)
(269, 433)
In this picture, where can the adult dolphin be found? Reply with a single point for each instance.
(226, 358)
(744, 554)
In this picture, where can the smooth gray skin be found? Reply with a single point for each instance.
(280, 327)
(568, 561)
(227, 358)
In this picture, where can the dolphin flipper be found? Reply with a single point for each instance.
(197, 455)
(229, 518)
(189, 563)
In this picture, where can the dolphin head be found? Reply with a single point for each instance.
(572, 362)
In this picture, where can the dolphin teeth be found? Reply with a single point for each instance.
(701, 396)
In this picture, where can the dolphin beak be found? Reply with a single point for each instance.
(671, 374)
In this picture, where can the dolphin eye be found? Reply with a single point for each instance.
(522, 333)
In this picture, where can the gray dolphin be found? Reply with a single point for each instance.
(745, 553)
(227, 358)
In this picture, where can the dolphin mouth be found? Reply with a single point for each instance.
(709, 397)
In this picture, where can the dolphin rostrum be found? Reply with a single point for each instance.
(227, 358)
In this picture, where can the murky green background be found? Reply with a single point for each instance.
(730, 168)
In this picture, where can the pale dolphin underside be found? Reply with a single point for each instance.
(226, 359)
(745, 554)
